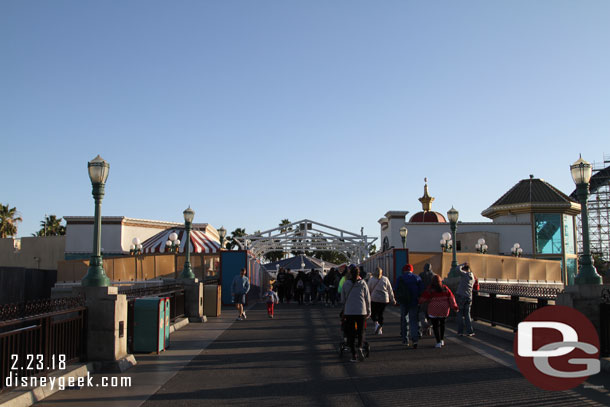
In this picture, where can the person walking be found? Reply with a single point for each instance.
(426, 278)
(408, 290)
(281, 281)
(464, 300)
(440, 300)
(239, 288)
(381, 295)
(271, 298)
(356, 297)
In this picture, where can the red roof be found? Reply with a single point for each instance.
(432, 217)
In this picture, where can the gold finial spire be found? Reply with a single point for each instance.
(426, 200)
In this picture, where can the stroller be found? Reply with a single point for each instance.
(344, 346)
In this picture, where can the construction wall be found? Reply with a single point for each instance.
(141, 268)
(39, 253)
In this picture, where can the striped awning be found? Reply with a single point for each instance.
(200, 242)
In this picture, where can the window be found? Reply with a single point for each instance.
(571, 270)
(548, 233)
(568, 234)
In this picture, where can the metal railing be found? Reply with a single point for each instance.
(507, 304)
(41, 336)
(175, 293)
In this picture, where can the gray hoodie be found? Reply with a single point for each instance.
(357, 299)
(466, 284)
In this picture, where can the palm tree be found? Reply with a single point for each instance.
(51, 226)
(8, 221)
(279, 254)
(231, 241)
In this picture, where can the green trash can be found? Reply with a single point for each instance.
(149, 324)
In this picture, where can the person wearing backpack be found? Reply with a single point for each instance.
(408, 289)
(440, 300)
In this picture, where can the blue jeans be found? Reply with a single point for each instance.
(410, 314)
(463, 315)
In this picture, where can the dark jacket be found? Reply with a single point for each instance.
(413, 284)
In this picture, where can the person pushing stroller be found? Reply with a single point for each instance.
(357, 308)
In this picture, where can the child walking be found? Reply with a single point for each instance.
(271, 299)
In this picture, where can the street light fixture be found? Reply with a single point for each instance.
(481, 246)
(446, 242)
(222, 233)
(403, 236)
(136, 247)
(173, 243)
(453, 216)
(98, 174)
(187, 272)
(581, 174)
(516, 250)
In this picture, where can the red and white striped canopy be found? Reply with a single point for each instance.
(200, 242)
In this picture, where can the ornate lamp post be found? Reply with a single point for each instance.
(516, 250)
(481, 246)
(98, 173)
(446, 242)
(222, 233)
(453, 216)
(173, 243)
(581, 174)
(136, 247)
(403, 236)
(187, 272)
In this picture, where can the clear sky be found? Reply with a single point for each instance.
(255, 111)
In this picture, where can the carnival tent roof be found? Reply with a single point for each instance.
(294, 263)
(201, 241)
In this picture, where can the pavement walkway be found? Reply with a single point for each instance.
(293, 360)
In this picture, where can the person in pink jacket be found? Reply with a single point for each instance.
(440, 300)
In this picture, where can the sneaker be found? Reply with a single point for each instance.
(414, 345)
(360, 354)
(405, 342)
(380, 331)
(377, 326)
(270, 316)
(442, 342)
(353, 359)
(238, 319)
(471, 334)
(438, 345)
(243, 315)
(460, 334)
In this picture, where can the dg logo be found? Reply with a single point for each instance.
(557, 348)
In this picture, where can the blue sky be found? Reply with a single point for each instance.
(255, 111)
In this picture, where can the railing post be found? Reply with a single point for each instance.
(514, 299)
(492, 298)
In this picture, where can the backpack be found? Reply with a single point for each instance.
(300, 284)
(403, 294)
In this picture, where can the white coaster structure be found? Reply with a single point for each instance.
(308, 235)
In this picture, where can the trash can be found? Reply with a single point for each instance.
(149, 324)
(211, 300)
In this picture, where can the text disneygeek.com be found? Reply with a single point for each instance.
(62, 383)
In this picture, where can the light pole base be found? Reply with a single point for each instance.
(96, 276)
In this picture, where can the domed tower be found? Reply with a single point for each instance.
(427, 215)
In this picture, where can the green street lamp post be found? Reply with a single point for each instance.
(98, 173)
(403, 236)
(453, 216)
(581, 174)
(187, 271)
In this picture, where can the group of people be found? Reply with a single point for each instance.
(425, 301)
(308, 288)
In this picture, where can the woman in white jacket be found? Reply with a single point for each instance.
(381, 295)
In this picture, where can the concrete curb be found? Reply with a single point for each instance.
(28, 396)
(509, 335)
